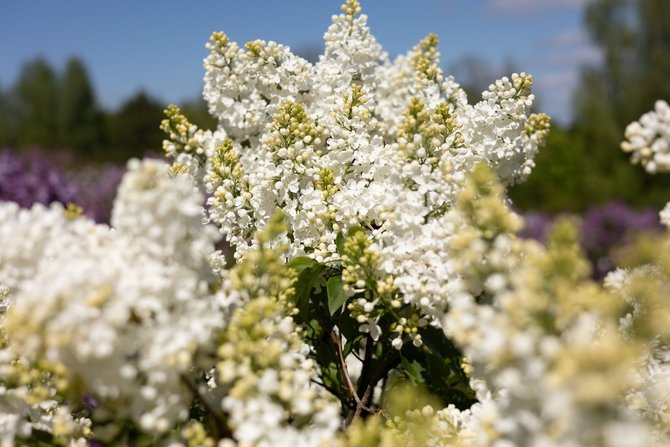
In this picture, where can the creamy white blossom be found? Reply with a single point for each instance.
(123, 309)
(648, 140)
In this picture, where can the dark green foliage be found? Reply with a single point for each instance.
(584, 165)
(334, 334)
(34, 105)
(134, 129)
(60, 110)
(196, 112)
(80, 121)
(336, 294)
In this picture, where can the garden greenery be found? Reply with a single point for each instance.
(378, 293)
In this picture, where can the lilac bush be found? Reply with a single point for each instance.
(29, 178)
(602, 229)
(611, 225)
(37, 176)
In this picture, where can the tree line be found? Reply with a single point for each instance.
(60, 110)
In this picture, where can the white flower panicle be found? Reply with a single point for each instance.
(648, 140)
(353, 140)
(135, 304)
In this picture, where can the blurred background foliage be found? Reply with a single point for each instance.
(582, 164)
(60, 111)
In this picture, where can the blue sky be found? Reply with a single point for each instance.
(130, 45)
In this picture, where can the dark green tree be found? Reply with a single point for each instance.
(134, 129)
(35, 104)
(634, 38)
(81, 123)
(6, 113)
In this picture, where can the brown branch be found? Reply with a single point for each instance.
(344, 372)
(386, 363)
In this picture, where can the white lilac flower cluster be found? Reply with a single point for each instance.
(547, 354)
(552, 365)
(135, 303)
(106, 325)
(355, 139)
(648, 140)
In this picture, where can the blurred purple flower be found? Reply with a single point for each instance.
(602, 229)
(611, 225)
(30, 178)
(536, 225)
(97, 189)
(38, 176)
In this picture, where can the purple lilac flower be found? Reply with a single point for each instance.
(97, 189)
(602, 229)
(536, 225)
(30, 178)
(612, 225)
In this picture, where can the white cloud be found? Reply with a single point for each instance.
(569, 37)
(571, 48)
(565, 79)
(558, 71)
(533, 7)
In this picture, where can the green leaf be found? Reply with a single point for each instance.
(351, 345)
(309, 275)
(413, 369)
(336, 294)
(301, 263)
(41, 438)
(339, 243)
(441, 371)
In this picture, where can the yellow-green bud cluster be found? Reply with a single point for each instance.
(293, 134)
(359, 261)
(178, 168)
(408, 327)
(356, 99)
(262, 272)
(538, 126)
(73, 211)
(351, 8)
(225, 164)
(251, 343)
(269, 53)
(217, 41)
(426, 59)
(181, 134)
(220, 45)
(195, 435)
(375, 295)
(41, 379)
(482, 202)
(369, 432)
(522, 84)
(326, 183)
(424, 136)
